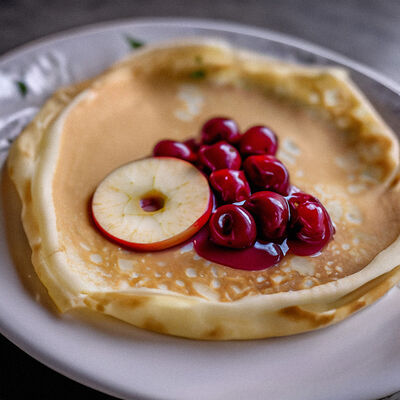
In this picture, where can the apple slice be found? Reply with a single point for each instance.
(152, 204)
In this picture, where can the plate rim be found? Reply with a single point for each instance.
(218, 24)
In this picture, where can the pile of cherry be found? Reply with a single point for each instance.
(256, 204)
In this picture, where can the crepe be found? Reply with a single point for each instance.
(333, 142)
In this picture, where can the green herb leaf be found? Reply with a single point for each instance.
(198, 74)
(134, 43)
(23, 89)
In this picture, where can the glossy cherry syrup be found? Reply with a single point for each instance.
(312, 231)
(259, 216)
(259, 256)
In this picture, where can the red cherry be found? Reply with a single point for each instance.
(230, 185)
(267, 173)
(220, 155)
(232, 226)
(311, 227)
(217, 129)
(271, 213)
(193, 144)
(258, 140)
(170, 148)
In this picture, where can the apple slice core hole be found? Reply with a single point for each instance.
(152, 202)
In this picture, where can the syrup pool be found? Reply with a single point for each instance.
(259, 256)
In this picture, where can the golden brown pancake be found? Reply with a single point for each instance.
(335, 146)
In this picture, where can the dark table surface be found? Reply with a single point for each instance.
(367, 31)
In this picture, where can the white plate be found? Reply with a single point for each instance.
(356, 359)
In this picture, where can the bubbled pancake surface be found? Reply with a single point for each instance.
(333, 143)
